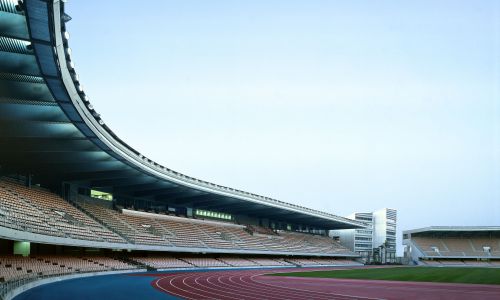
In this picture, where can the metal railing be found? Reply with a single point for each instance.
(11, 220)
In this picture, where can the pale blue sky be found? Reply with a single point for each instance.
(341, 106)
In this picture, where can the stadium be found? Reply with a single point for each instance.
(84, 215)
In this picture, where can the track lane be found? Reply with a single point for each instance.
(255, 284)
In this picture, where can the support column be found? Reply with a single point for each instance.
(28, 180)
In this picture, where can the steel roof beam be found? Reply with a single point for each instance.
(105, 175)
(179, 197)
(25, 90)
(61, 157)
(152, 183)
(117, 183)
(29, 112)
(13, 26)
(158, 191)
(44, 168)
(18, 64)
(39, 130)
(44, 145)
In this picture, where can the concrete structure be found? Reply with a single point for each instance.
(375, 242)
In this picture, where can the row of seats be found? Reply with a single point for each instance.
(261, 230)
(165, 262)
(13, 267)
(19, 267)
(39, 211)
(454, 246)
(321, 261)
(457, 262)
(205, 262)
(271, 262)
(155, 229)
(162, 262)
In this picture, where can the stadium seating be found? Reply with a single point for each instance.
(431, 262)
(205, 262)
(271, 262)
(260, 229)
(455, 246)
(38, 211)
(303, 261)
(238, 262)
(17, 214)
(476, 263)
(452, 262)
(162, 262)
(18, 267)
(166, 262)
(321, 261)
(156, 229)
(428, 244)
(461, 262)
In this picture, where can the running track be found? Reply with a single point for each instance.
(255, 285)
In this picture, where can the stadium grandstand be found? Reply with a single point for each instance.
(75, 199)
(453, 245)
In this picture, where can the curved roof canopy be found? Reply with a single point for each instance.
(48, 128)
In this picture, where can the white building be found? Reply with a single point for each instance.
(384, 234)
(376, 242)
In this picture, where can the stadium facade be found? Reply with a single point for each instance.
(453, 245)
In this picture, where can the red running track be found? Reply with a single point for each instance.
(254, 284)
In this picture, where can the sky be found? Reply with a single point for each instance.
(341, 106)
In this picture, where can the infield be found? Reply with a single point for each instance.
(421, 274)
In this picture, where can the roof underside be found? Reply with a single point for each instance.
(48, 129)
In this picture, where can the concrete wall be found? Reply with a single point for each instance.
(346, 237)
(379, 228)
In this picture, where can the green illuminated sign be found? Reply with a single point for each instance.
(213, 214)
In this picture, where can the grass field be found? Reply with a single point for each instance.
(422, 274)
